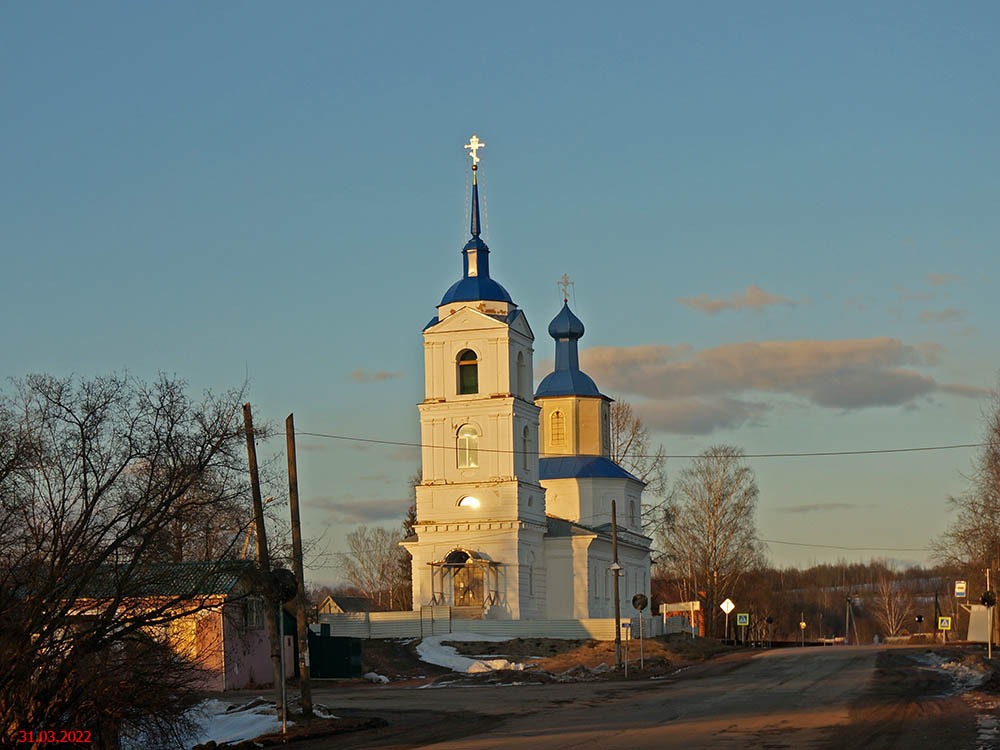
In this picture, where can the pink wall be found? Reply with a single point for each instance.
(248, 652)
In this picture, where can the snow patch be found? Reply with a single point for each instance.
(227, 722)
(378, 679)
(433, 651)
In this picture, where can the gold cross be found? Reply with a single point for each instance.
(474, 145)
(564, 283)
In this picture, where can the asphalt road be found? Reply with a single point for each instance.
(790, 698)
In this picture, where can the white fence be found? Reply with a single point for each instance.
(443, 620)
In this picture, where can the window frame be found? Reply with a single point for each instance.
(467, 373)
(557, 437)
(467, 446)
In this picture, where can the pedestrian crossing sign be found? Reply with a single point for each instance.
(944, 623)
(743, 618)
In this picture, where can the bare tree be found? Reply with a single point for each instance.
(94, 476)
(710, 540)
(972, 541)
(893, 605)
(630, 448)
(373, 564)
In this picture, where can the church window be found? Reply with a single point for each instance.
(468, 447)
(522, 376)
(469, 502)
(525, 447)
(468, 372)
(557, 424)
(633, 521)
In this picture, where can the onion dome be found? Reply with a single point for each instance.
(566, 325)
(567, 379)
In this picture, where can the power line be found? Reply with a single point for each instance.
(801, 454)
(851, 549)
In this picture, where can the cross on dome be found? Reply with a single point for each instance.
(474, 145)
(564, 283)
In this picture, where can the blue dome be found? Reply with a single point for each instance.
(567, 383)
(566, 325)
(473, 288)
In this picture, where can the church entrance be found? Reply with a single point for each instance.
(464, 579)
(467, 579)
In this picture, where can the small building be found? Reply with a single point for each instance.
(215, 618)
(336, 605)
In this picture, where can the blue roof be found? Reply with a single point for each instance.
(568, 383)
(571, 467)
(474, 288)
(567, 379)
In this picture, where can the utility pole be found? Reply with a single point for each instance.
(263, 560)
(989, 617)
(847, 623)
(615, 567)
(302, 627)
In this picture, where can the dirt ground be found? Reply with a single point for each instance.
(557, 655)
(908, 704)
(861, 697)
(397, 660)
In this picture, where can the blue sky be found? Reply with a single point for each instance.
(781, 221)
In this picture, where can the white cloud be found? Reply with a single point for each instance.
(753, 298)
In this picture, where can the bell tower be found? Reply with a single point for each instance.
(480, 506)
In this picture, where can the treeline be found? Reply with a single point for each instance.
(883, 599)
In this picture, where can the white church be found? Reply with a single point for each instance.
(514, 510)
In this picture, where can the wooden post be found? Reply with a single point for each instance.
(263, 560)
(618, 604)
(302, 627)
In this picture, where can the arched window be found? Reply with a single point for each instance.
(525, 447)
(468, 372)
(632, 520)
(522, 376)
(468, 447)
(468, 502)
(557, 428)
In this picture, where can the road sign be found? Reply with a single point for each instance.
(802, 625)
(960, 587)
(944, 623)
(640, 602)
(728, 606)
(743, 618)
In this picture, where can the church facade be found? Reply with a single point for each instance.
(514, 506)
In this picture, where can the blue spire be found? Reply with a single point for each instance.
(567, 379)
(475, 283)
(474, 224)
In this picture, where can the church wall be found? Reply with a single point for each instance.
(634, 577)
(561, 584)
(588, 500)
(590, 427)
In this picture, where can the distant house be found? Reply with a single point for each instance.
(217, 619)
(335, 605)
